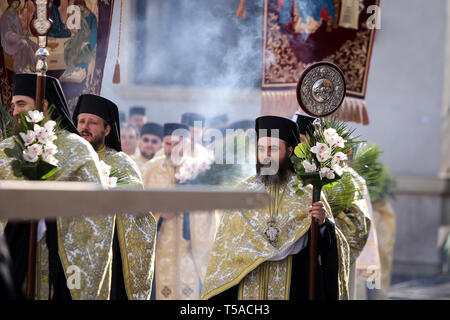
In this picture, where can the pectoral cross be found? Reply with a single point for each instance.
(272, 231)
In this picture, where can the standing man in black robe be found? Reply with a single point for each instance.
(62, 242)
(263, 254)
(97, 120)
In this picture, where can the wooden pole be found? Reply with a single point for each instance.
(313, 248)
(40, 27)
(31, 270)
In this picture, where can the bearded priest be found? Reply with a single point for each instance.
(63, 242)
(133, 243)
(263, 254)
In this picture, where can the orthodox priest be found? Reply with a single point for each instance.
(184, 239)
(195, 123)
(62, 242)
(150, 142)
(264, 253)
(97, 120)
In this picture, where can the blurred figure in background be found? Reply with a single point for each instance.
(196, 123)
(184, 239)
(122, 118)
(137, 117)
(150, 143)
(129, 137)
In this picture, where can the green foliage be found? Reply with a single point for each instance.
(39, 170)
(303, 150)
(342, 194)
(8, 124)
(366, 162)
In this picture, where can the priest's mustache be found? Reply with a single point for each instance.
(266, 162)
(86, 133)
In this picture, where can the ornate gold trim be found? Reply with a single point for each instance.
(288, 73)
(288, 278)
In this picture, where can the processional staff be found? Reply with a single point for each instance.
(320, 92)
(40, 26)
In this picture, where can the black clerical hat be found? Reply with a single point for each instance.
(122, 117)
(304, 123)
(25, 85)
(287, 129)
(137, 110)
(105, 109)
(152, 128)
(170, 127)
(219, 121)
(242, 124)
(190, 118)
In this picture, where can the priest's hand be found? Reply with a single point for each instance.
(318, 211)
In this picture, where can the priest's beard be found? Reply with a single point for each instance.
(97, 142)
(280, 177)
(148, 156)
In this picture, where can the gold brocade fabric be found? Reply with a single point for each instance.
(260, 285)
(136, 233)
(384, 217)
(42, 270)
(140, 161)
(84, 243)
(355, 224)
(241, 248)
(180, 263)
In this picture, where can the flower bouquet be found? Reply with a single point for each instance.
(320, 160)
(34, 150)
(108, 178)
(193, 167)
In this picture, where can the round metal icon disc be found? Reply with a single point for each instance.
(321, 89)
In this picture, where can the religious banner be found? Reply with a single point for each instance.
(299, 33)
(77, 43)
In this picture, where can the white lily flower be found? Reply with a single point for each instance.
(309, 167)
(50, 159)
(105, 169)
(50, 125)
(32, 153)
(50, 149)
(326, 173)
(340, 142)
(322, 151)
(338, 169)
(112, 182)
(36, 148)
(330, 136)
(28, 137)
(41, 134)
(35, 116)
(338, 157)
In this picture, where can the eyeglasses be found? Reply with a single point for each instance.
(154, 141)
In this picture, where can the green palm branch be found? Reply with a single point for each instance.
(366, 162)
